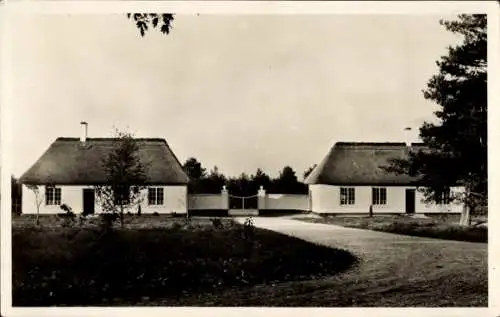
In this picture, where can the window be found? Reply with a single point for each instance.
(155, 196)
(379, 196)
(52, 195)
(444, 198)
(347, 195)
(122, 195)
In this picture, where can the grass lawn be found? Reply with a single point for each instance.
(432, 227)
(156, 259)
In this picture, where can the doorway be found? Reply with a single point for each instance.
(88, 201)
(410, 201)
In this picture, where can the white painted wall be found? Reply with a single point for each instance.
(326, 199)
(175, 200)
(286, 202)
(206, 201)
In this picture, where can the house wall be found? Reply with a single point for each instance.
(286, 202)
(326, 199)
(175, 200)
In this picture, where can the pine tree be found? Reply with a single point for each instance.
(457, 143)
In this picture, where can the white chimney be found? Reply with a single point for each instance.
(408, 136)
(83, 136)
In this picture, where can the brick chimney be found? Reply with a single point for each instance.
(83, 136)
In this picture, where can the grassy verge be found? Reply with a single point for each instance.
(432, 227)
(79, 265)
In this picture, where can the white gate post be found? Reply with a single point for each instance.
(261, 198)
(224, 198)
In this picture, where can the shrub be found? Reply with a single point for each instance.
(155, 214)
(86, 267)
(107, 221)
(249, 233)
(68, 216)
(217, 223)
(176, 226)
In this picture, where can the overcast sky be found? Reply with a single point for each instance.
(239, 92)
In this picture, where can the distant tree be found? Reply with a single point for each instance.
(288, 175)
(457, 144)
(261, 179)
(287, 182)
(146, 21)
(213, 182)
(38, 200)
(126, 176)
(193, 168)
(242, 185)
(196, 173)
(309, 171)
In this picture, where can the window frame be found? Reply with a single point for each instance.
(156, 196)
(347, 196)
(379, 196)
(53, 196)
(445, 197)
(121, 191)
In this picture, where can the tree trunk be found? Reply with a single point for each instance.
(121, 215)
(465, 217)
(37, 216)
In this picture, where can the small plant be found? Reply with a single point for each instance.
(155, 214)
(68, 216)
(217, 223)
(249, 229)
(187, 221)
(107, 220)
(176, 226)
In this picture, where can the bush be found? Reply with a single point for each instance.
(68, 216)
(217, 223)
(86, 267)
(155, 214)
(107, 221)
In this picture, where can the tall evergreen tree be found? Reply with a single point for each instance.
(457, 143)
(126, 176)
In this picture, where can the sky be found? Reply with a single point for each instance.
(238, 91)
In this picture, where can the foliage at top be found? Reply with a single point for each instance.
(146, 21)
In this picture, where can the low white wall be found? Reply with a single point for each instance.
(326, 199)
(206, 201)
(174, 200)
(286, 202)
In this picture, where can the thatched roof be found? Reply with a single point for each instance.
(362, 164)
(68, 161)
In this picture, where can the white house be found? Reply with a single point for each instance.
(69, 169)
(352, 178)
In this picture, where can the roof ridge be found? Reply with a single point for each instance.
(369, 143)
(109, 139)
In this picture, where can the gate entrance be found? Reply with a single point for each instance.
(243, 205)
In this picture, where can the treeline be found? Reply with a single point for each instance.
(211, 182)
